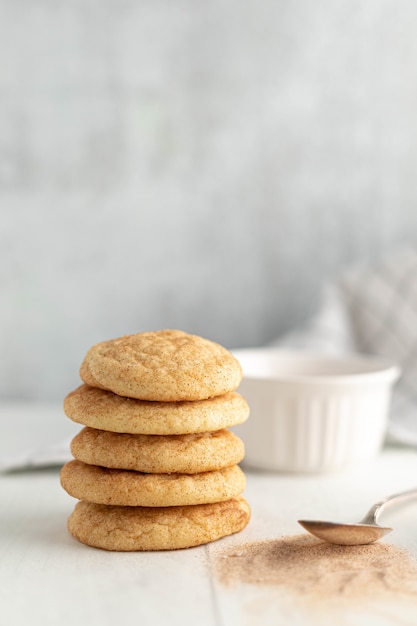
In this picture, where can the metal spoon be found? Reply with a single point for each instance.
(364, 532)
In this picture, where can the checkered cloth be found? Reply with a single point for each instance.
(372, 310)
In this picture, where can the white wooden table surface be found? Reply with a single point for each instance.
(47, 578)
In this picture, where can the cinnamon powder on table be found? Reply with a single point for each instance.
(318, 570)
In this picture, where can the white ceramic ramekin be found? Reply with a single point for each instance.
(313, 414)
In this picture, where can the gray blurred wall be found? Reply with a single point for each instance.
(195, 165)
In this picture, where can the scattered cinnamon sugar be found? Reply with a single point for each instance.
(308, 567)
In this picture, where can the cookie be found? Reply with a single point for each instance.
(164, 366)
(158, 454)
(142, 528)
(127, 488)
(107, 411)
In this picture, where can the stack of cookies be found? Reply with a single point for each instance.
(155, 467)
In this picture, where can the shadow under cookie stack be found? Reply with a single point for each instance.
(155, 466)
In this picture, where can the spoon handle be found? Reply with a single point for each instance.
(375, 510)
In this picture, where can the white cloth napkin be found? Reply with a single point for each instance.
(34, 436)
(372, 310)
(43, 455)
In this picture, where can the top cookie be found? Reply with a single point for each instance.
(165, 365)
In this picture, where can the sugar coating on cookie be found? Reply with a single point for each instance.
(165, 365)
(106, 410)
(141, 528)
(158, 454)
(128, 488)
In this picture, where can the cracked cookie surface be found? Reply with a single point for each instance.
(141, 528)
(185, 454)
(129, 488)
(165, 365)
(106, 410)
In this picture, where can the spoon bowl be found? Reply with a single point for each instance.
(364, 532)
(345, 534)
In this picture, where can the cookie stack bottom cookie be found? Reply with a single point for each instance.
(126, 529)
(154, 491)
